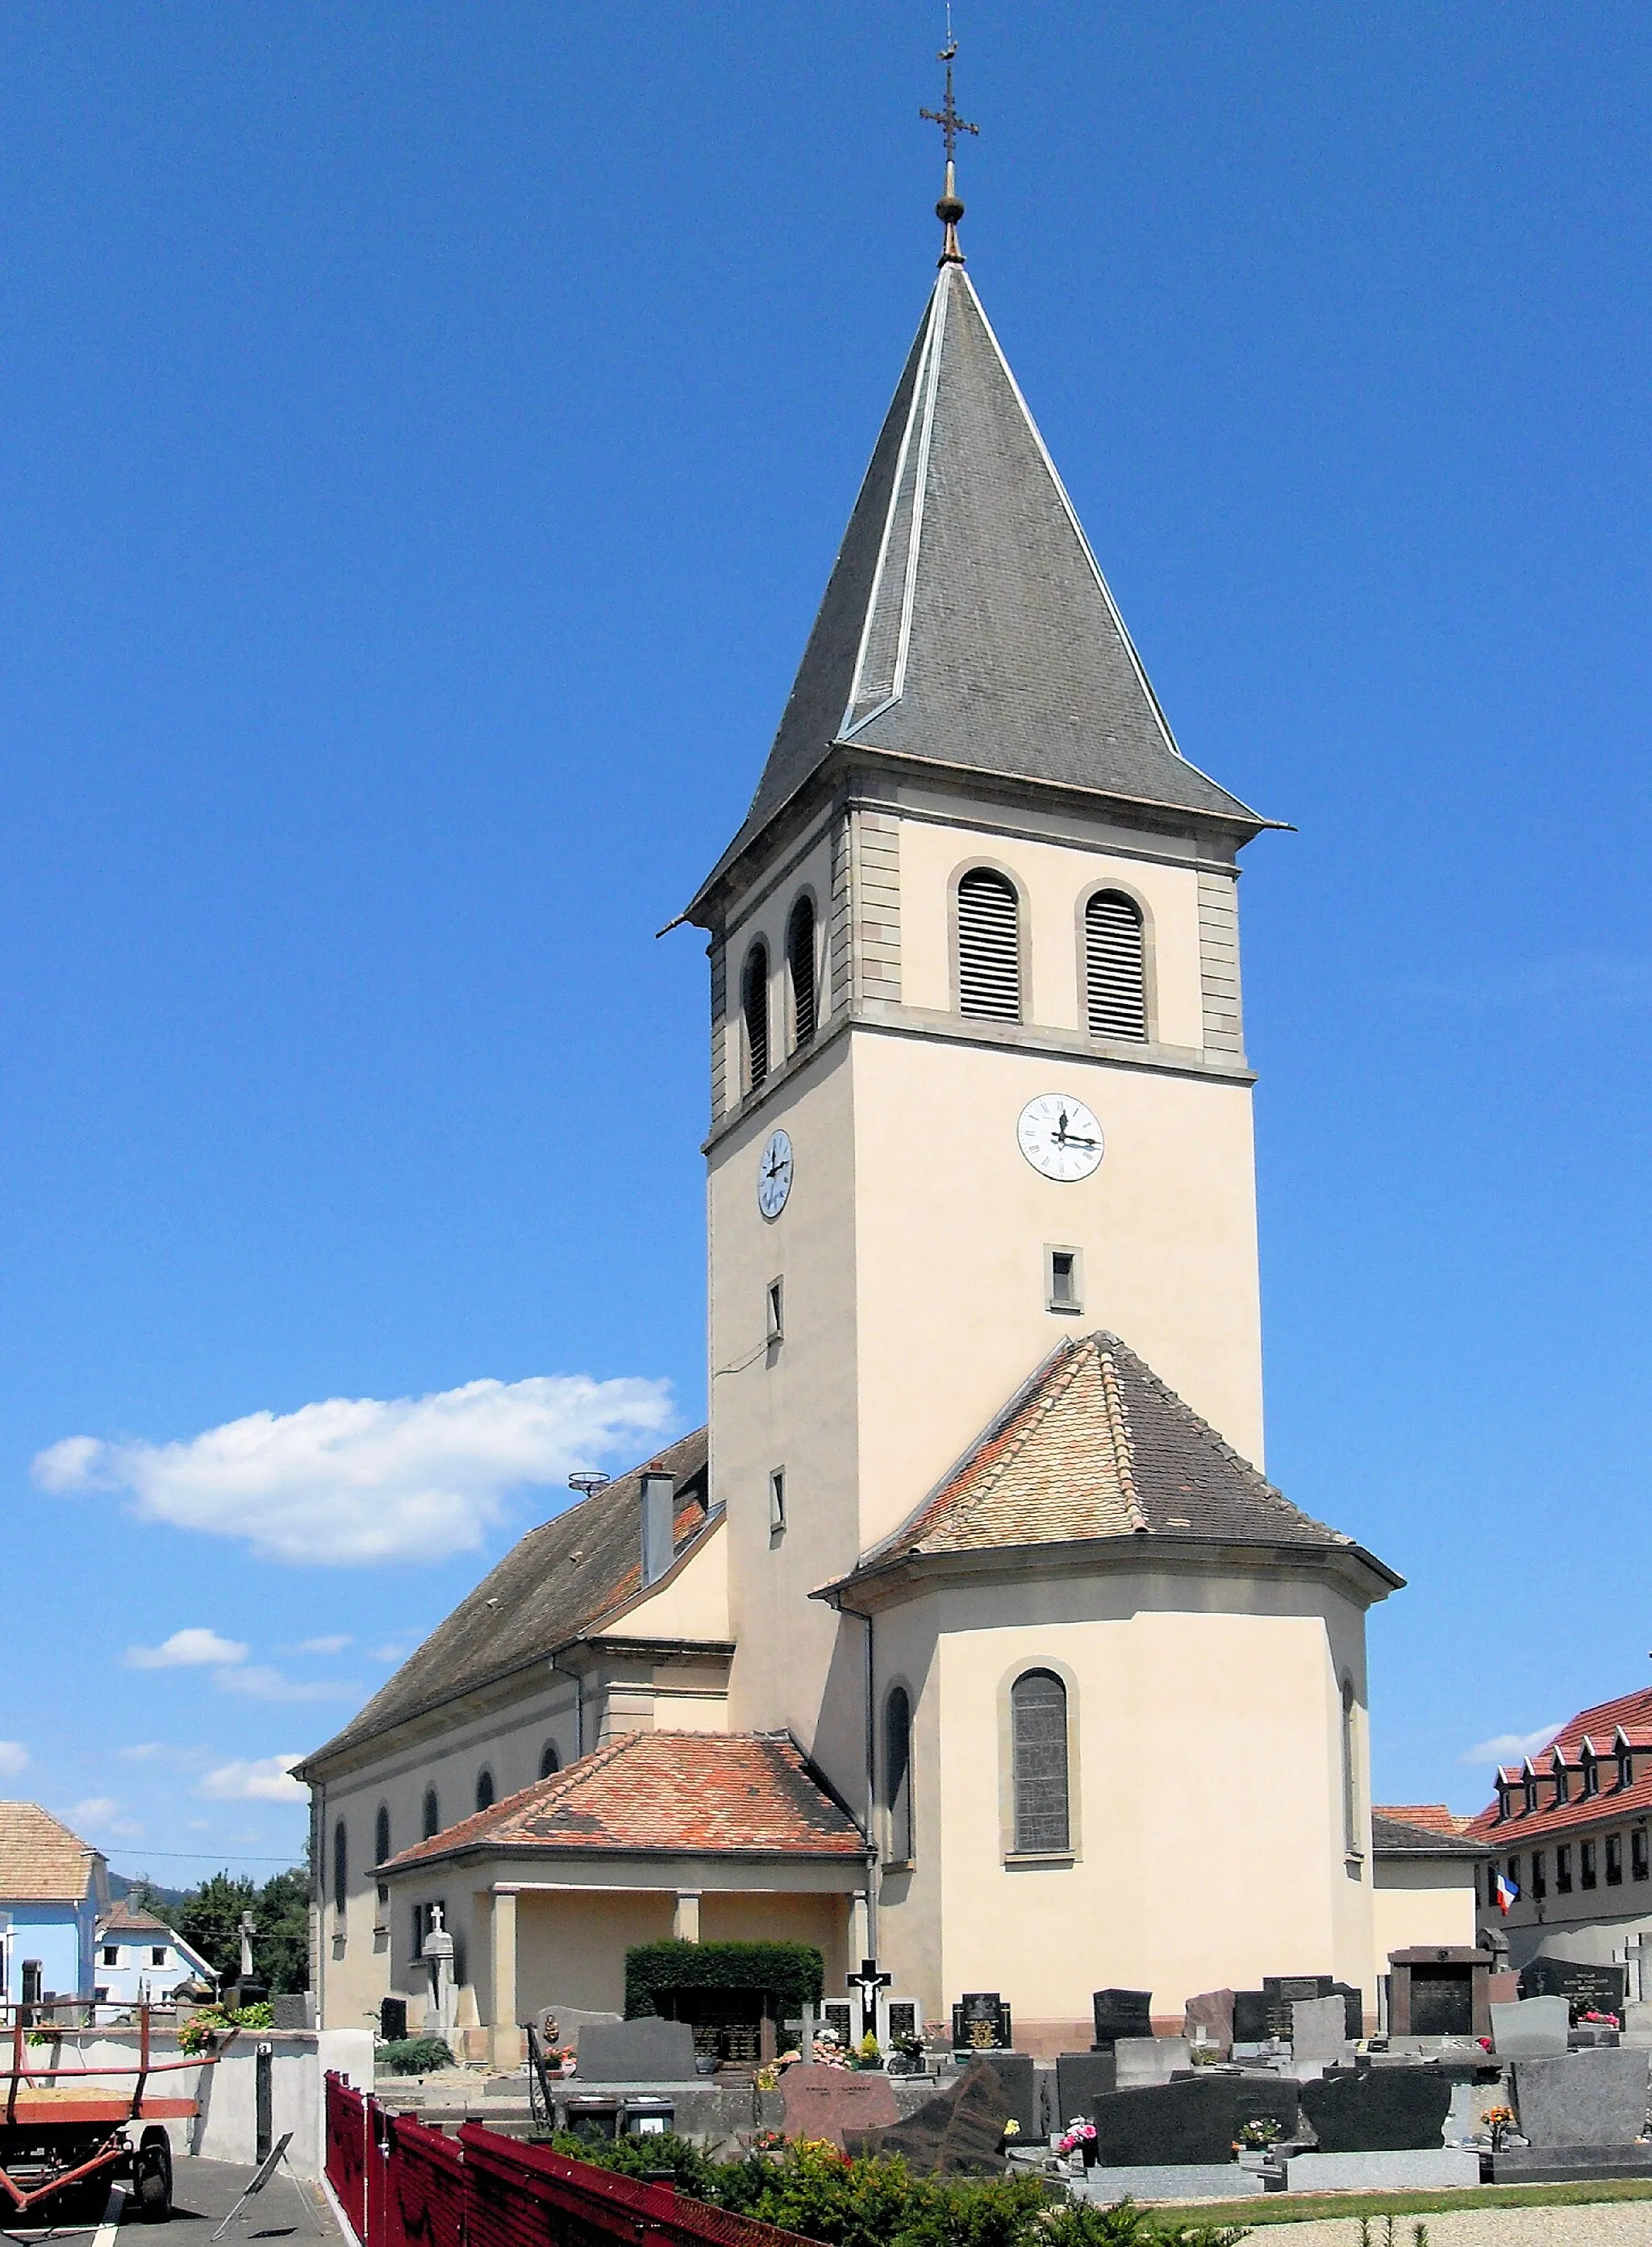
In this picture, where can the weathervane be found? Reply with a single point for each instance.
(949, 210)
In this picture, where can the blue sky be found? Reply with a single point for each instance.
(425, 433)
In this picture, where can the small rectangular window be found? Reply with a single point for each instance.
(100, 1992)
(1587, 1876)
(775, 1301)
(1563, 1868)
(1063, 1279)
(777, 1502)
(157, 1954)
(1614, 1860)
(1637, 1854)
(1540, 1874)
(111, 1955)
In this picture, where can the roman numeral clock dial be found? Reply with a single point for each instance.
(1060, 1137)
(775, 1175)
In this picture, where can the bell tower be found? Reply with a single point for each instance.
(978, 1083)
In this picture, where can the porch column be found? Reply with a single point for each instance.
(860, 1930)
(685, 1924)
(505, 2042)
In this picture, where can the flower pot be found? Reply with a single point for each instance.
(1090, 2151)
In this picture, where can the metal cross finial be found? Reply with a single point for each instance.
(949, 209)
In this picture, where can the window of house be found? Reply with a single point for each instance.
(897, 1773)
(1563, 1868)
(1585, 1864)
(34, 1980)
(1591, 1774)
(777, 1502)
(1063, 1279)
(1513, 1870)
(1115, 966)
(381, 1836)
(989, 946)
(775, 1304)
(800, 968)
(433, 1814)
(754, 1007)
(112, 1954)
(549, 1761)
(1502, 1798)
(1350, 1774)
(1531, 1791)
(1637, 1854)
(1562, 1783)
(1614, 1860)
(340, 1867)
(1540, 1874)
(484, 1789)
(100, 1992)
(1038, 1738)
(158, 1954)
(1626, 1768)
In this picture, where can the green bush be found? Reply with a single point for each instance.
(414, 2055)
(790, 1974)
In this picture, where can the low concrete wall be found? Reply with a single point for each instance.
(227, 2128)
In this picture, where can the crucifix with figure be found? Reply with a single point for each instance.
(869, 1982)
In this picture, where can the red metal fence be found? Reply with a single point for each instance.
(401, 2184)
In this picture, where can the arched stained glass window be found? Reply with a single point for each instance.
(897, 1772)
(1038, 1727)
(340, 1867)
(549, 1761)
(381, 1836)
(433, 1814)
(484, 1789)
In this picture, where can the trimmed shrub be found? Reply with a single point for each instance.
(790, 1974)
(414, 2055)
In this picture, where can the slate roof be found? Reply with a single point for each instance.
(41, 1861)
(1095, 1446)
(553, 1587)
(1393, 1835)
(966, 622)
(724, 1794)
(1599, 1727)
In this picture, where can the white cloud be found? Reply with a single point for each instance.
(99, 1814)
(335, 1645)
(14, 1758)
(144, 1751)
(267, 1684)
(353, 1482)
(1510, 1747)
(267, 1780)
(186, 1650)
(387, 1653)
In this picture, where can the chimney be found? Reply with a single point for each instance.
(659, 1497)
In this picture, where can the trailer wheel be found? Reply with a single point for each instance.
(152, 2177)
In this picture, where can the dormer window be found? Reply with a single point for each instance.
(1502, 1796)
(1531, 1790)
(1562, 1782)
(1626, 1764)
(1591, 1774)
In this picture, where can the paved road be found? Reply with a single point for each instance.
(202, 2194)
(1605, 2223)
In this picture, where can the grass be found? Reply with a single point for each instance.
(1305, 2208)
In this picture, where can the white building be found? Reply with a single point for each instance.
(141, 1961)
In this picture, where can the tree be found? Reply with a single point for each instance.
(209, 1920)
(281, 1948)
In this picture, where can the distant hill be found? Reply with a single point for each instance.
(122, 1884)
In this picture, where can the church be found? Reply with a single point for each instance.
(970, 1634)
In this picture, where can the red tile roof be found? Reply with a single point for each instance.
(41, 1861)
(727, 1794)
(1432, 1817)
(1630, 1713)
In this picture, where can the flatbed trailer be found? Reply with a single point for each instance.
(67, 2134)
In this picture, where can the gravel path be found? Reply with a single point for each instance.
(1607, 2224)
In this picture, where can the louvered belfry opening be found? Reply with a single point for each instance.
(800, 961)
(754, 1005)
(1038, 1727)
(989, 946)
(1115, 966)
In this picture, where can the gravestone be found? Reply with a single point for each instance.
(1081, 2079)
(1017, 2073)
(1378, 2110)
(1121, 2013)
(960, 2131)
(902, 2018)
(1503, 1989)
(1208, 2018)
(1587, 2099)
(1149, 2059)
(822, 2102)
(647, 2051)
(1354, 2005)
(838, 2018)
(1439, 1991)
(1195, 2118)
(1319, 2031)
(1584, 1985)
(1535, 2028)
(1250, 2017)
(981, 2023)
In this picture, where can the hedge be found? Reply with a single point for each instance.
(790, 1974)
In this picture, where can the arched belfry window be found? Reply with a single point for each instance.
(800, 965)
(754, 1006)
(1038, 1734)
(381, 1837)
(1115, 966)
(989, 946)
(484, 1789)
(549, 1761)
(433, 1814)
(897, 1772)
(340, 1867)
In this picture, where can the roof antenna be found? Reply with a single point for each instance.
(949, 210)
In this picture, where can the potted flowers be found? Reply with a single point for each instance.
(1079, 2138)
(1255, 2140)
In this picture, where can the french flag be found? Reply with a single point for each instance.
(1507, 1893)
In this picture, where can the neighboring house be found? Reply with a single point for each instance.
(54, 1888)
(1424, 1867)
(141, 1961)
(1569, 1830)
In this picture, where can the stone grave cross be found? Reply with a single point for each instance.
(870, 1983)
(249, 1928)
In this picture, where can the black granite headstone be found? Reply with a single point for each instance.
(1379, 2110)
(1197, 2117)
(1352, 2008)
(1250, 2016)
(1586, 1987)
(1081, 2078)
(1282, 1991)
(981, 2023)
(1121, 2013)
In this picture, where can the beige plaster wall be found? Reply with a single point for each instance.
(691, 1603)
(822, 1919)
(1421, 1901)
(571, 1948)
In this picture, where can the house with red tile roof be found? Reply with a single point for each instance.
(971, 1633)
(1567, 1827)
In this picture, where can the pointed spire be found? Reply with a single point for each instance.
(949, 209)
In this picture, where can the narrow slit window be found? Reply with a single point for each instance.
(381, 1837)
(775, 1301)
(549, 1761)
(1038, 1730)
(340, 1867)
(989, 946)
(484, 1789)
(1350, 1774)
(799, 964)
(433, 1814)
(1115, 966)
(777, 1502)
(1063, 1288)
(897, 1773)
(754, 1006)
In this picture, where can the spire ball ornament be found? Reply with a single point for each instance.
(949, 209)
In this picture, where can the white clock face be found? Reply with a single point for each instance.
(1060, 1137)
(775, 1175)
